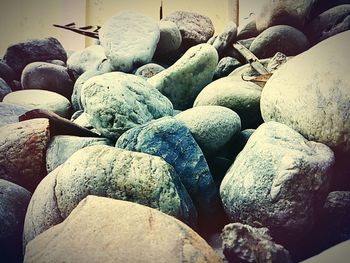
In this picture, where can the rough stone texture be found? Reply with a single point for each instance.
(40, 99)
(279, 181)
(22, 147)
(107, 230)
(329, 23)
(118, 101)
(172, 140)
(281, 38)
(61, 147)
(225, 66)
(129, 40)
(249, 244)
(182, 82)
(211, 126)
(14, 201)
(87, 59)
(313, 98)
(226, 38)
(170, 38)
(149, 70)
(19, 55)
(47, 76)
(243, 97)
(287, 12)
(194, 28)
(9, 113)
(4, 89)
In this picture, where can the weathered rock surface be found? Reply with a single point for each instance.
(14, 201)
(9, 113)
(280, 181)
(225, 66)
(182, 82)
(118, 101)
(19, 55)
(129, 40)
(106, 171)
(118, 231)
(149, 70)
(313, 98)
(170, 38)
(23, 147)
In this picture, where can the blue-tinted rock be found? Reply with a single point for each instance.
(9, 113)
(4, 89)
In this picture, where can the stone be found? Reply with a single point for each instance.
(40, 99)
(6, 73)
(211, 126)
(4, 89)
(110, 172)
(61, 147)
(243, 243)
(280, 181)
(89, 58)
(118, 101)
(225, 66)
(172, 140)
(240, 141)
(23, 147)
(170, 39)
(118, 231)
(149, 70)
(194, 28)
(281, 38)
(9, 113)
(276, 62)
(243, 97)
(84, 120)
(182, 81)
(129, 39)
(226, 38)
(329, 23)
(313, 98)
(57, 62)
(247, 29)
(47, 76)
(321, 6)
(287, 12)
(18, 55)
(14, 201)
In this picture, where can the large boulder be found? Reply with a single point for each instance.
(107, 171)
(19, 55)
(313, 98)
(129, 39)
(23, 147)
(279, 180)
(105, 230)
(182, 82)
(118, 101)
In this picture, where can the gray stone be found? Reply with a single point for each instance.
(14, 201)
(247, 29)
(118, 231)
(211, 126)
(149, 70)
(281, 38)
(61, 147)
(47, 76)
(313, 98)
(279, 180)
(4, 89)
(243, 97)
(329, 23)
(110, 172)
(87, 59)
(170, 38)
(9, 113)
(19, 55)
(287, 12)
(194, 28)
(22, 150)
(129, 40)
(40, 99)
(6, 73)
(250, 244)
(118, 101)
(57, 62)
(226, 38)
(182, 82)
(276, 62)
(225, 66)
(84, 120)
(321, 6)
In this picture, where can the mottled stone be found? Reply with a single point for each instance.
(9, 113)
(149, 70)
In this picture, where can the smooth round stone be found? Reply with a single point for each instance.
(129, 39)
(282, 38)
(118, 231)
(4, 89)
(170, 38)
(149, 70)
(40, 99)
(313, 98)
(47, 76)
(9, 113)
(211, 126)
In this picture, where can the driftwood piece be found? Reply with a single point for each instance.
(90, 31)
